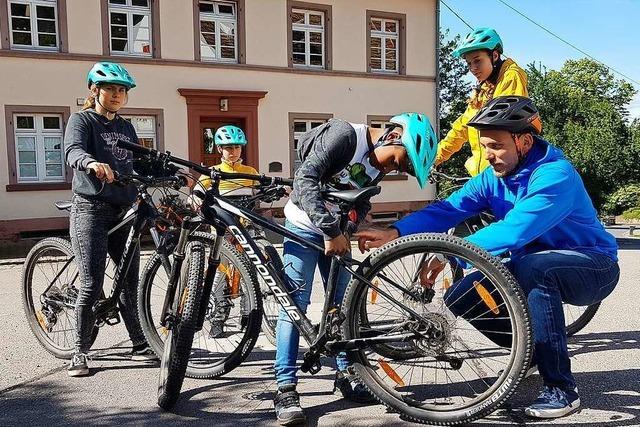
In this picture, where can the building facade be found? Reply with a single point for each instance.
(276, 68)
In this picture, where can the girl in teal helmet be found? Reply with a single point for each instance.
(482, 50)
(90, 148)
(109, 84)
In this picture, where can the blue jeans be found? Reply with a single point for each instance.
(548, 279)
(300, 265)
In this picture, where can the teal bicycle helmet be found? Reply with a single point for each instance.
(420, 141)
(479, 39)
(110, 73)
(230, 135)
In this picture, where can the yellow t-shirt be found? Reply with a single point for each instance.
(512, 80)
(236, 187)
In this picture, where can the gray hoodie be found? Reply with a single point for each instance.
(91, 137)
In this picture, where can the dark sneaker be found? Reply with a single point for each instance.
(143, 353)
(351, 389)
(217, 329)
(78, 366)
(553, 403)
(287, 405)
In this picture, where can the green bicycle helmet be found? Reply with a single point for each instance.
(230, 135)
(420, 141)
(110, 73)
(479, 39)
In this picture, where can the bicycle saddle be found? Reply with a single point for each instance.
(351, 196)
(64, 205)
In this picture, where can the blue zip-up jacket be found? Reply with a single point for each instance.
(543, 206)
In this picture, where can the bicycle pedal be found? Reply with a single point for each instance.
(311, 364)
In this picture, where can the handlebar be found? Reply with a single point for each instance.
(262, 179)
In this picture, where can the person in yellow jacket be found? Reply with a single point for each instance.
(229, 141)
(481, 49)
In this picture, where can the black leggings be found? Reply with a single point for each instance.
(89, 225)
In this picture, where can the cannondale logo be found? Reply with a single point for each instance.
(281, 295)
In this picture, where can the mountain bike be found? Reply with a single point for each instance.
(50, 277)
(228, 308)
(455, 375)
(576, 317)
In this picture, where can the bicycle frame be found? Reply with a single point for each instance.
(220, 212)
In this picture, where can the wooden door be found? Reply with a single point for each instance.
(208, 129)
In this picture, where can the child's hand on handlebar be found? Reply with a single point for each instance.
(102, 170)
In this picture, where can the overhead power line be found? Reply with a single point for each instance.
(455, 13)
(565, 41)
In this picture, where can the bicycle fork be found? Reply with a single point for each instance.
(179, 254)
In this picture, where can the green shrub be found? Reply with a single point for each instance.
(622, 199)
(633, 213)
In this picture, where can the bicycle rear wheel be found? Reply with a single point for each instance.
(50, 284)
(177, 346)
(470, 340)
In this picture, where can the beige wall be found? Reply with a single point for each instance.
(348, 98)
(84, 26)
(351, 98)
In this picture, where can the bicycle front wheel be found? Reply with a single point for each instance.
(177, 346)
(467, 340)
(232, 321)
(577, 317)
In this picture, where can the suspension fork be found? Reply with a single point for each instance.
(212, 268)
(179, 254)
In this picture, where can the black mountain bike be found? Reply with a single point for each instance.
(575, 317)
(215, 352)
(50, 278)
(456, 373)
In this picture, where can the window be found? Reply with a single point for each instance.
(386, 42)
(145, 127)
(384, 45)
(218, 31)
(309, 35)
(299, 123)
(307, 38)
(130, 27)
(33, 24)
(38, 145)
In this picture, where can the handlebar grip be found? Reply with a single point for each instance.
(136, 148)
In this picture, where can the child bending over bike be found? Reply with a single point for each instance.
(345, 156)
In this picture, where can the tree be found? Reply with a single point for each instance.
(454, 93)
(584, 112)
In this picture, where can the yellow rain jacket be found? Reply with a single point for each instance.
(237, 187)
(512, 80)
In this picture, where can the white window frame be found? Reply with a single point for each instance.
(39, 134)
(385, 35)
(296, 136)
(307, 28)
(144, 133)
(130, 10)
(35, 44)
(219, 18)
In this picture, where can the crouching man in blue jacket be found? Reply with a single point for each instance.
(545, 219)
